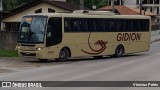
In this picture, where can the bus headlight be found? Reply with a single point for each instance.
(18, 47)
(39, 49)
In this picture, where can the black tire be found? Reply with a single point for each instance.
(63, 55)
(43, 60)
(98, 57)
(119, 51)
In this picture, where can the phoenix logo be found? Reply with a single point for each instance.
(101, 43)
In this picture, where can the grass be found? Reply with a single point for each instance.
(8, 53)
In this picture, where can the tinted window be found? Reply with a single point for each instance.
(105, 25)
(54, 31)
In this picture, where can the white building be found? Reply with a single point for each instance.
(147, 5)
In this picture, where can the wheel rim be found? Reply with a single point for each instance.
(119, 51)
(62, 54)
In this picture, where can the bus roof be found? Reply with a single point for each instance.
(85, 15)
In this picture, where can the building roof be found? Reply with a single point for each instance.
(123, 10)
(65, 5)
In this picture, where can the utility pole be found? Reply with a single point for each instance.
(140, 7)
(112, 4)
(81, 4)
(1, 5)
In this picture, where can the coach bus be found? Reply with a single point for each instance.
(96, 34)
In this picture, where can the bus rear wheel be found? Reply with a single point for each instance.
(119, 51)
(63, 55)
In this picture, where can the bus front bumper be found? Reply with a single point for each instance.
(35, 54)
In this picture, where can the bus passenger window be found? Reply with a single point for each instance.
(67, 26)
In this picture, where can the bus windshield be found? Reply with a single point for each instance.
(32, 30)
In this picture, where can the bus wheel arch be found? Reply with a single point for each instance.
(119, 51)
(64, 54)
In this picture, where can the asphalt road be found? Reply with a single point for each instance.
(137, 67)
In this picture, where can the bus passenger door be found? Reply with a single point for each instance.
(53, 35)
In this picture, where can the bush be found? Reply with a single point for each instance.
(8, 53)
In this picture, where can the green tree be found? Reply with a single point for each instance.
(12, 4)
(102, 3)
(90, 3)
(9, 4)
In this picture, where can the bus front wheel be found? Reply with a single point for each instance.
(63, 55)
(119, 51)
